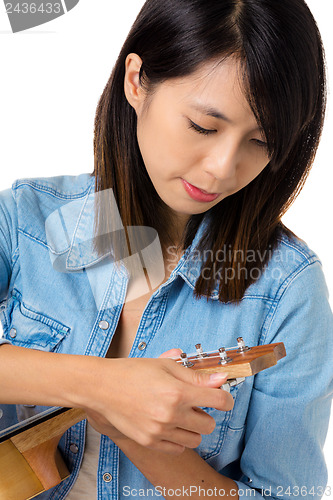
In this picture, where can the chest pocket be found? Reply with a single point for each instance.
(26, 327)
(211, 444)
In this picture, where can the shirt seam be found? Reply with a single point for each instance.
(156, 327)
(11, 236)
(51, 191)
(15, 255)
(297, 248)
(282, 290)
(74, 236)
(41, 242)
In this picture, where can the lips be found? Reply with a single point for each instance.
(203, 191)
(199, 194)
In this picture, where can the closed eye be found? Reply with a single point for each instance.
(260, 144)
(199, 129)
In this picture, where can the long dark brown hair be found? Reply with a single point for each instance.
(282, 59)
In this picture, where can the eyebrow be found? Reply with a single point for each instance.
(210, 111)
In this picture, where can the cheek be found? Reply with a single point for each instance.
(251, 170)
(163, 147)
(257, 164)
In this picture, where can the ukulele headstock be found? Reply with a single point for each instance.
(238, 362)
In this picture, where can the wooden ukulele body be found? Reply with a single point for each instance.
(30, 461)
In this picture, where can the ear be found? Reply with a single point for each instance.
(133, 91)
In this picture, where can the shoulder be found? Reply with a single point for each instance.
(62, 186)
(37, 198)
(34, 191)
(26, 206)
(291, 263)
(300, 314)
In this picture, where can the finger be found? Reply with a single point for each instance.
(199, 410)
(212, 398)
(176, 439)
(200, 388)
(171, 353)
(185, 438)
(198, 377)
(198, 421)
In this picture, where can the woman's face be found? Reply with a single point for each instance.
(198, 137)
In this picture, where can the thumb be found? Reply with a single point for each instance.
(209, 379)
(171, 353)
(201, 378)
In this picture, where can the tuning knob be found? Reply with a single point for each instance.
(224, 359)
(200, 353)
(185, 361)
(241, 345)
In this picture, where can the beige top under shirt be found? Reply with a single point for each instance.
(85, 487)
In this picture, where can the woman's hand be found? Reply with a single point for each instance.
(153, 401)
(99, 422)
(102, 426)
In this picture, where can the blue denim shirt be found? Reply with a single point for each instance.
(55, 293)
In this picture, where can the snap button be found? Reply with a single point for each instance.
(104, 325)
(29, 406)
(1, 413)
(12, 333)
(142, 346)
(107, 477)
(74, 448)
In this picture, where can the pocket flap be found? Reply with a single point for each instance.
(26, 327)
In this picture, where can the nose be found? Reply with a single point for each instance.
(222, 162)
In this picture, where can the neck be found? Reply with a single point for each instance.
(176, 229)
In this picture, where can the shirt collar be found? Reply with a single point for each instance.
(70, 235)
(189, 266)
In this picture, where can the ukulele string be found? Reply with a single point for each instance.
(214, 354)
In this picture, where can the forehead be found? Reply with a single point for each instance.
(215, 85)
(210, 72)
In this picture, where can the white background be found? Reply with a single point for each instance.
(51, 79)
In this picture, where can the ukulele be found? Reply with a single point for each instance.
(30, 461)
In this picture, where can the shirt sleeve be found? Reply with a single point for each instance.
(289, 410)
(8, 243)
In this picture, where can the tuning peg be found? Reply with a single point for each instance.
(186, 362)
(224, 357)
(231, 383)
(200, 353)
(241, 345)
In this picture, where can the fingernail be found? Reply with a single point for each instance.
(217, 377)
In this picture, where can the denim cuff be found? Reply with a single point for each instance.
(4, 341)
